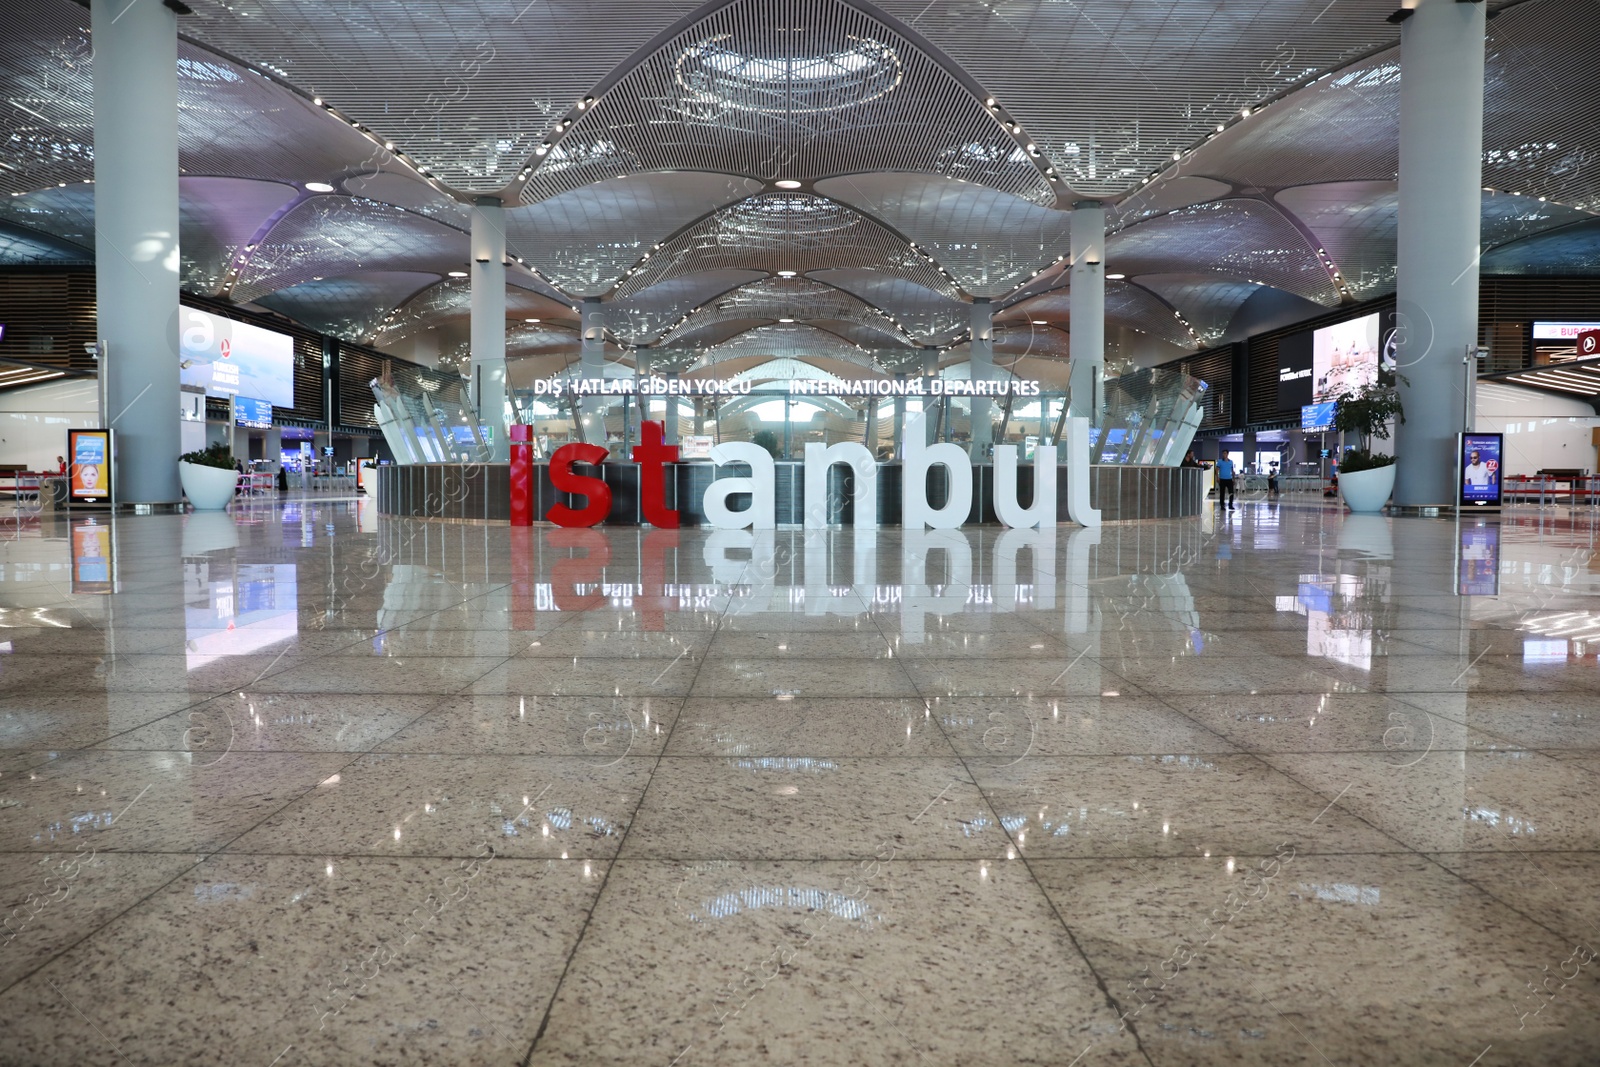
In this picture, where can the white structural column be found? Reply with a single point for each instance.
(982, 365)
(489, 391)
(1086, 343)
(592, 364)
(1441, 196)
(136, 241)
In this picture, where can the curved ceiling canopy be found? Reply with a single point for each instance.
(929, 153)
(792, 90)
(784, 234)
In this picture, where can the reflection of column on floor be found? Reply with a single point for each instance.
(1427, 793)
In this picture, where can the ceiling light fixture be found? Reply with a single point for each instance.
(318, 187)
(458, 274)
(530, 320)
(1040, 322)
(787, 183)
(1115, 277)
(787, 273)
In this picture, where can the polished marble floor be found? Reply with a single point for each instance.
(299, 785)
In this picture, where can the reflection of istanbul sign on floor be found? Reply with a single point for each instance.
(761, 486)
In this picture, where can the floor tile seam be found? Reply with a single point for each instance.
(1498, 899)
(357, 757)
(1038, 886)
(605, 879)
(1277, 770)
(117, 916)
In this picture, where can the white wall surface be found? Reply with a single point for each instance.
(1542, 430)
(34, 420)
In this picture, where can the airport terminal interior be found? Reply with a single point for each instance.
(916, 532)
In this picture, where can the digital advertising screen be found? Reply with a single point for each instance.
(91, 465)
(252, 413)
(228, 358)
(1294, 370)
(1479, 573)
(1317, 418)
(1480, 469)
(1345, 356)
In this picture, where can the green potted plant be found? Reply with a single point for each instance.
(1366, 478)
(209, 477)
(767, 440)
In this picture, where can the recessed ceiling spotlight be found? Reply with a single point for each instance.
(1040, 322)
(785, 320)
(318, 187)
(787, 273)
(787, 183)
(1115, 277)
(530, 320)
(458, 274)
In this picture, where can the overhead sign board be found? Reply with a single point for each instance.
(655, 386)
(1562, 331)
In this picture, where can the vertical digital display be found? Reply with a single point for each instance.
(91, 465)
(1481, 469)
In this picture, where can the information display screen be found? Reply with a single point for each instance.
(228, 358)
(1318, 365)
(1481, 469)
(91, 465)
(252, 413)
(1317, 418)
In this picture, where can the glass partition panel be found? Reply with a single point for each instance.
(1150, 417)
(428, 419)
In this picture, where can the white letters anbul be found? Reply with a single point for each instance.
(915, 512)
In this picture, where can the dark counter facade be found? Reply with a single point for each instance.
(482, 491)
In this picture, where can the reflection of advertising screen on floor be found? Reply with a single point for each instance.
(228, 358)
(91, 464)
(91, 558)
(1480, 560)
(1480, 469)
(1344, 357)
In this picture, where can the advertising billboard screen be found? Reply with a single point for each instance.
(1294, 371)
(1480, 469)
(1345, 356)
(228, 358)
(91, 465)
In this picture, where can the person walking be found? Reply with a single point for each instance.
(1225, 482)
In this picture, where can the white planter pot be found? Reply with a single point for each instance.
(208, 488)
(1365, 492)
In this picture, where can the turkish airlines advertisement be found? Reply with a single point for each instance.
(228, 358)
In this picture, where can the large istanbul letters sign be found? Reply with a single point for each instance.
(761, 485)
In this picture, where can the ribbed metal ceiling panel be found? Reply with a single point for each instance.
(1206, 304)
(774, 299)
(351, 306)
(466, 87)
(1242, 240)
(646, 315)
(24, 248)
(785, 232)
(1540, 101)
(585, 240)
(930, 317)
(990, 241)
(1162, 196)
(1355, 224)
(330, 235)
(1110, 89)
(1572, 251)
(788, 89)
(795, 342)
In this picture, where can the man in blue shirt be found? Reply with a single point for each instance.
(1225, 482)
